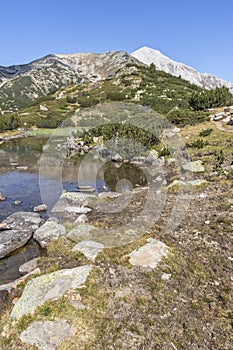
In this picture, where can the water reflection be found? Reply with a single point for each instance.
(22, 184)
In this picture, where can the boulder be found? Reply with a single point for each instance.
(81, 232)
(90, 249)
(195, 167)
(148, 255)
(109, 195)
(48, 232)
(23, 220)
(152, 156)
(86, 188)
(81, 219)
(197, 182)
(70, 199)
(10, 240)
(28, 267)
(77, 210)
(190, 183)
(47, 335)
(41, 207)
(50, 286)
(176, 183)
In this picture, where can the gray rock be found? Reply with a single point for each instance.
(47, 335)
(70, 199)
(29, 266)
(23, 220)
(175, 183)
(138, 160)
(48, 232)
(197, 182)
(81, 232)
(17, 202)
(49, 287)
(10, 240)
(86, 188)
(90, 249)
(159, 162)
(2, 197)
(152, 156)
(22, 167)
(77, 305)
(190, 183)
(149, 255)
(166, 276)
(81, 219)
(171, 133)
(77, 210)
(41, 207)
(117, 158)
(170, 161)
(54, 218)
(109, 195)
(195, 167)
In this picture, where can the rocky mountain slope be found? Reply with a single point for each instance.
(166, 64)
(21, 83)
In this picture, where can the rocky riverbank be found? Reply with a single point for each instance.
(149, 268)
(148, 277)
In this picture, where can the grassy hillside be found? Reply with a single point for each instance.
(164, 93)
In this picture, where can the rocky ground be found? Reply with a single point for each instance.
(96, 288)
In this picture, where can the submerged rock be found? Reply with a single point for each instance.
(47, 335)
(49, 287)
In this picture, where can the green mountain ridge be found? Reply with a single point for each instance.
(178, 100)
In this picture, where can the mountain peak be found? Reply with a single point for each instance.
(148, 55)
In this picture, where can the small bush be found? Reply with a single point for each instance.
(87, 102)
(71, 100)
(206, 132)
(115, 96)
(197, 144)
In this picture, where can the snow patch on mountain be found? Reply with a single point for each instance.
(148, 55)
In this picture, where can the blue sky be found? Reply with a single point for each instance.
(198, 33)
